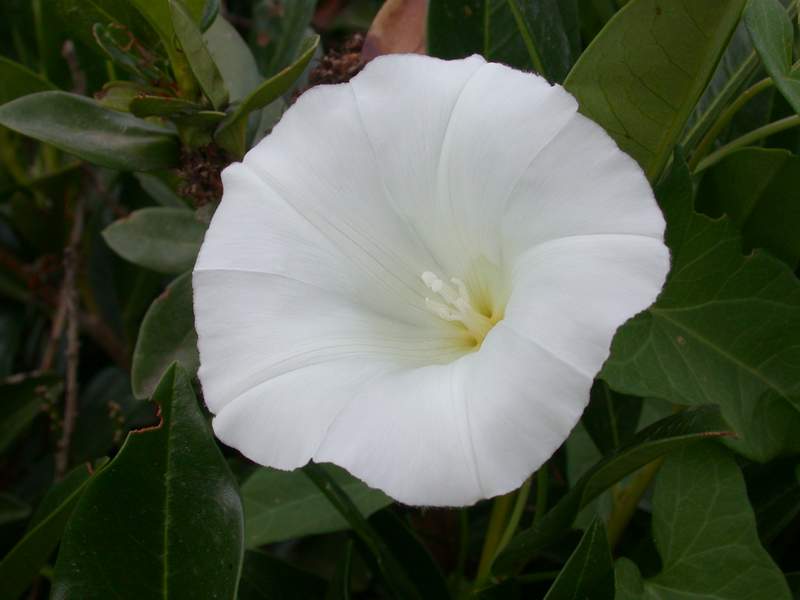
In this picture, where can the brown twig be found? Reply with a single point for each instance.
(72, 318)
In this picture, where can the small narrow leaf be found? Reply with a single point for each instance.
(167, 335)
(655, 441)
(86, 129)
(166, 240)
(197, 55)
(164, 519)
(589, 572)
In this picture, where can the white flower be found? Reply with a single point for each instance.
(417, 275)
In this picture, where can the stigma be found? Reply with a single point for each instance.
(454, 305)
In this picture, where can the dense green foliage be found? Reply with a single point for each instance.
(116, 116)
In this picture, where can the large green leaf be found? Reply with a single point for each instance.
(197, 54)
(282, 505)
(231, 133)
(527, 34)
(610, 418)
(99, 135)
(22, 563)
(267, 578)
(654, 441)
(773, 37)
(234, 59)
(167, 335)
(166, 240)
(759, 190)
(724, 330)
(589, 572)
(18, 81)
(164, 519)
(21, 402)
(639, 84)
(706, 535)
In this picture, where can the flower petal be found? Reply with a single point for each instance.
(581, 183)
(571, 294)
(253, 327)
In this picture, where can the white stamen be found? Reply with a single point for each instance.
(457, 305)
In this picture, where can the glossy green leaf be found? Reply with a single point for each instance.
(167, 335)
(529, 34)
(199, 58)
(610, 418)
(84, 128)
(654, 441)
(589, 572)
(277, 38)
(267, 578)
(773, 37)
(640, 85)
(19, 81)
(161, 106)
(164, 519)
(159, 190)
(281, 505)
(231, 133)
(724, 330)
(339, 588)
(706, 535)
(22, 563)
(759, 190)
(400, 582)
(21, 402)
(163, 239)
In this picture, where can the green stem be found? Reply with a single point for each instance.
(542, 483)
(463, 548)
(747, 139)
(497, 524)
(516, 515)
(725, 118)
(627, 500)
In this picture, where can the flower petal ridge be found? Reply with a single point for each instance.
(417, 275)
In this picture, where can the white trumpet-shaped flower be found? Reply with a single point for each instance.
(417, 275)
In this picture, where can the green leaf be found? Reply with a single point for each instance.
(167, 335)
(21, 565)
(164, 519)
(161, 106)
(267, 578)
(724, 330)
(640, 85)
(115, 41)
(83, 127)
(159, 190)
(654, 441)
(774, 493)
(610, 418)
(19, 81)
(21, 402)
(166, 240)
(231, 133)
(399, 581)
(339, 588)
(277, 39)
(706, 535)
(199, 58)
(757, 189)
(234, 59)
(529, 34)
(282, 505)
(80, 16)
(773, 37)
(589, 572)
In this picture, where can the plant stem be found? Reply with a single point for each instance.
(725, 118)
(497, 523)
(516, 515)
(542, 482)
(628, 499)
(747, 139)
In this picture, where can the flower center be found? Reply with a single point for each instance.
(454, 304)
